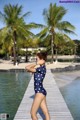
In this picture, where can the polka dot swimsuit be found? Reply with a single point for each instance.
(38, 80)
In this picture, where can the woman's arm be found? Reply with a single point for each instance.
(31, 68)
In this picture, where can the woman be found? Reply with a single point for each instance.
(40, 92)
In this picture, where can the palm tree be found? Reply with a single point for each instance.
(62, 41)
(53, 17)
(16, 28)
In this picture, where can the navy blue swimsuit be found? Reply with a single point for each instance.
(38, 80)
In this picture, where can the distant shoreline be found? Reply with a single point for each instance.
(7, 65)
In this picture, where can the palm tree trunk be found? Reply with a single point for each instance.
(56, 59)
(52, 50)
(26, 56)
(14, 48)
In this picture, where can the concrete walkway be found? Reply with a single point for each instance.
(57, 107)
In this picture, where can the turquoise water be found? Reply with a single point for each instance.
(69, 85)
(12, 89)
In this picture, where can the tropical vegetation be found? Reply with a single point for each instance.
(54, 35)
(56, 29)
(16, 30)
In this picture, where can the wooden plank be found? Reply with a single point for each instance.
(57, 107)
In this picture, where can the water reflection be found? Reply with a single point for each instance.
(12, 88)
(71, 94)
(69, 84)
(16, 76)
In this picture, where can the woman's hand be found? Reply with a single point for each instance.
(30, 68)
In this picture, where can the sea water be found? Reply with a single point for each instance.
(12, 89)
(69, 85)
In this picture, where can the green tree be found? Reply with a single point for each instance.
(77, 47)
(53, 18)
(30, 43)
(15, 26)
(61, 42)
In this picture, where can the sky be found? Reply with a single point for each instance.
(36, 8)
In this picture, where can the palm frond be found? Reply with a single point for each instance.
(26, 14)
(66, 27)
(34, 25)
(2, 17)
(46, 16)
(59, 14)
(69, 31)
(43, 32)
(65, 24)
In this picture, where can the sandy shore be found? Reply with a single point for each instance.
(4, 64)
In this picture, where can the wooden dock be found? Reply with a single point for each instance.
(57, 107)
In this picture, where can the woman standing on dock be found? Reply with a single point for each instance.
(40, 92)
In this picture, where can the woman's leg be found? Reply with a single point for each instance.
(36, 104)
(44, 108)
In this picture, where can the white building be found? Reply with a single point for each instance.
(34, 49)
